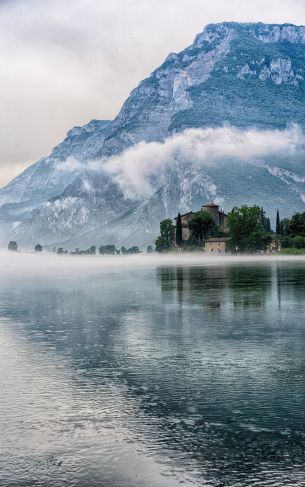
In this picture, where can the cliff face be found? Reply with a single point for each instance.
(240, 75)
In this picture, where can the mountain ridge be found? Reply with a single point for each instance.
(247, 76)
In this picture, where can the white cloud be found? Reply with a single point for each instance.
(69, 165)
(137, 169)
(65, 62)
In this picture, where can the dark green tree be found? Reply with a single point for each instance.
(247, 232)
(297, 224)
(166, 239)
(149, 249)
(179, 239)
(265, 221)
(278, 224)
(285, 242)
(297, 242)
(123, 250)
(268, 225)
(201, 226)
(133, 250)
(285, 227)
(262, 216)
(108, 249)
(38, 248)
(12, 245)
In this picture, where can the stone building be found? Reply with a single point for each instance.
(185, 218)
(218, 216)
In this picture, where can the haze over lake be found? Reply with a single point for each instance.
(152, 371)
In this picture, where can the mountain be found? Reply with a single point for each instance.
(244, 76)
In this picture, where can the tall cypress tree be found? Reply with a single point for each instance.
(179, 231)
(278, 223)
(265, 221)
(267, 225)
(263, 216)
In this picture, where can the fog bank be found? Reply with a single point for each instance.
(13, 264)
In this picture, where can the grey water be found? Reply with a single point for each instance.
(125, 374)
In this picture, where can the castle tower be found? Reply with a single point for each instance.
(213, 210)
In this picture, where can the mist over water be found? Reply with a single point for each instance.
(152, 371)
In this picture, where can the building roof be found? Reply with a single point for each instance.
(217, 239)
(210, 205)
(185, 214)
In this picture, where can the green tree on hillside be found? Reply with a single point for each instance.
(247, 232)
(166, 239)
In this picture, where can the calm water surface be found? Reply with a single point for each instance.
(152, 375)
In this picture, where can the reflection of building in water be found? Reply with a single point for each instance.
(219, 218)
(216, 287)
(194, 285)
(250, 286)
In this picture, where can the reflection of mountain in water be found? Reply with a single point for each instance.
(210, 357)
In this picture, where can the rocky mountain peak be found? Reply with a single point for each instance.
(242, 75)
(267, 33)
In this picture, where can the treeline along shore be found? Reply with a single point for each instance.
(108, 249)
(245, 229)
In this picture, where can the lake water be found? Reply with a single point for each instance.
(140, 371)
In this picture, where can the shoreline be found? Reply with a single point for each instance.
(42, 261)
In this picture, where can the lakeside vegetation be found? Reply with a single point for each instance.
(248, 231)
(292, 251)
(108, 249)
(291, 231)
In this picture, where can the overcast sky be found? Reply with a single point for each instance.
(64, 62)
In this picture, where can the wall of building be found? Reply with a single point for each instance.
(216, 247)
(185, 233)
(185, 226)
(223, 221)
(213, 210)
